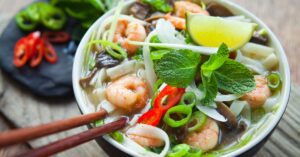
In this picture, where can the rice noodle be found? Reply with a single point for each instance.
(240, 18)
(150, 132)
(167, 33)
(271, 102)
(198, 49)
(256, 51)
(107, 106)
(149, 69)
(237, 106)
(212, 113)
(230, 97)
(252, 64)
(120, 70)
(114, 23)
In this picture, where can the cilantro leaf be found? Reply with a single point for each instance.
(234, 77)
(210, 89)
(160, 5)
(178, 67)
(215, 61)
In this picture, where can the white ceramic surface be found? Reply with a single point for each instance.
(284, 70)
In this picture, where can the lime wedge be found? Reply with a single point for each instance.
(213, 31)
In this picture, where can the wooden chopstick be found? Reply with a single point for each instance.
(75, 140)
(25, 134)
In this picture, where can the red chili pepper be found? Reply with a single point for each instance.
(50, 53)
(21, 53)
(152, 117)
(31, 42)
(168, 98)
(56, 37)
(172, 96)
(37, 57)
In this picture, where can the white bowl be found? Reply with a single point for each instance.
(236, 9)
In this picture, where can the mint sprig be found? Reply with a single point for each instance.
(220, 72)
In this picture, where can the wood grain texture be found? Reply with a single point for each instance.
(24, 109)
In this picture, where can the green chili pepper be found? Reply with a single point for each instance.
(53, 18)
(24, 22)
(112, 46)
(181, 109)
(274, 81)
(157, 84)
(33, 11)
(197, 120)
(118, 136)
(188, 99)
(193, 152)
(179, 150)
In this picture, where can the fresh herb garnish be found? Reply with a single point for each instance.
(178, 67)
(226, 74)
(160, 5)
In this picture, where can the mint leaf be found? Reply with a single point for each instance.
(234, 77)
(215, 61)
(158, 54)
(160, 5)
(178, 68)
(210, 89)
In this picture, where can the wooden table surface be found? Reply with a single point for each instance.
(19, 108)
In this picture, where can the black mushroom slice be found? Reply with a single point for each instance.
(139, 10)
(259, 39)
(216, 9)
(85, 81)
(224, 110)
(104, 60)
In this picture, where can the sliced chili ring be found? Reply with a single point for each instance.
(168, 98)
(21, 53)
(37, 57)
(31, 42)
(152, 117)
(50, 53)
(56, 37)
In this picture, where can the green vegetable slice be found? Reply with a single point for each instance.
(193, 152)
(182, 111)
(274, 80)
(188, 99)
(118, 136)
(24, 22)
(179, 150)
(197, 121)
(120, 54)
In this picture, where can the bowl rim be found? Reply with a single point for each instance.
(284, 68)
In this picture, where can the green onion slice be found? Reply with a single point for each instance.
(274, 80)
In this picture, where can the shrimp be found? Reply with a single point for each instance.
(182, 7)
(206, 138)
(146, 141)
(129, 93)
(260, 94)
(178, 22)
(129, 31)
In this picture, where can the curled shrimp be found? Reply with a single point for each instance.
(129, 31)
(260, 94)
(146, 141)
(206, 138)
(182, 7)
(128, 93)
(177, 22)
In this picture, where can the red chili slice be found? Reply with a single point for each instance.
(31, 42)
(168, 98)
(37, 57)
(152, 117)
(21, 54)
(50, 53)
(56, 37)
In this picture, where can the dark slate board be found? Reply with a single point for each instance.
(47, 80)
